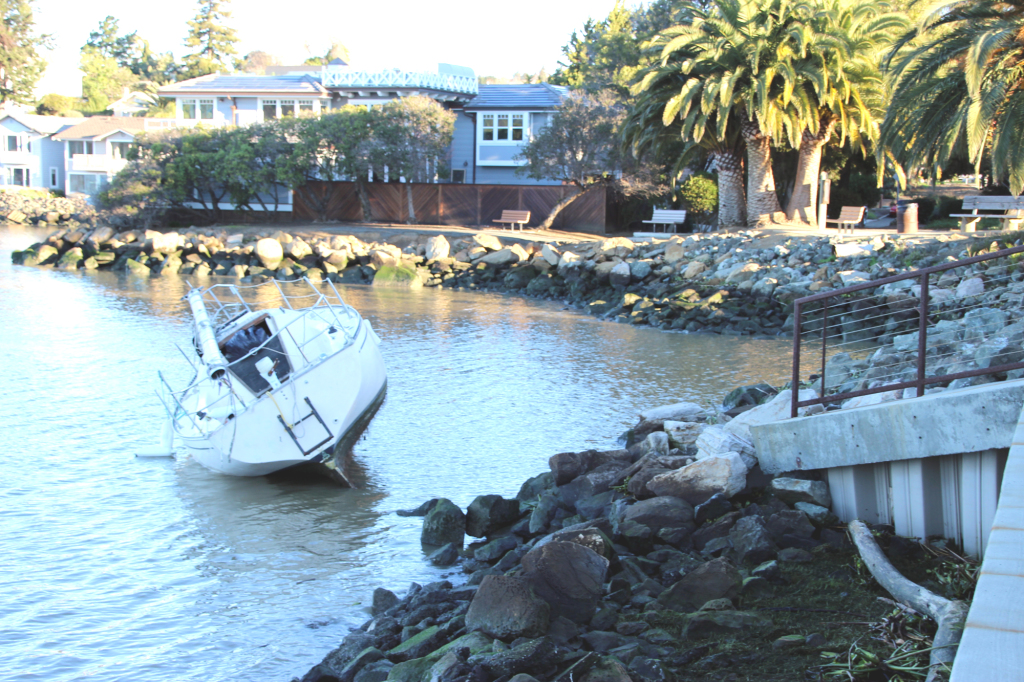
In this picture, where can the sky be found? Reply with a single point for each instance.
(493, 38)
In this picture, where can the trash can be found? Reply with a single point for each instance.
(906, 219)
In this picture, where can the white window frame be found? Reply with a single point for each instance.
(21, 142)
(54, 176)
(26, 177)
(197, 104)
(100, 182)
(264, 103)
(497, 122)
(87, 147)
(115, 146)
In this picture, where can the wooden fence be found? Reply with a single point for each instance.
(448, 204)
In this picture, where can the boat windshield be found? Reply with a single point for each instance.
(244, 342)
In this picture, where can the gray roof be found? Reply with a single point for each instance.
(42, 124)
(527, 97)
(227, 84)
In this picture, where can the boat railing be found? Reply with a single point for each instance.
(224, 309)
(223, 313)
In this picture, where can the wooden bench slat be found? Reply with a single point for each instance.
(1009, 218)
(513, 218)
(666, 217)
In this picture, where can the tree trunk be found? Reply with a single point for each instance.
(411, 218)
(948, 614)
(803, 202)
(762, 201)
(550, 220)
(364, 201)
(732, 202)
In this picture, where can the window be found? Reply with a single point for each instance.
(458, 175)
(191, 107)
(305, 106)
(269, 109)
(53, 176)
(18, 176)
(119, 150)
(14, 143)
(79, 147)
(503, 127)
(90, 183)
(287, 107)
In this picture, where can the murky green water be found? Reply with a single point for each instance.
(122, 569)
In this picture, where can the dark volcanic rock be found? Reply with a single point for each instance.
(506, 607)
(488, 513)
(382, 601)
(531, 656)
(570, 577)
(789, 522)
(717, 529)
(566, 466)
(717, 579)
(421, 510)
(446, 556)
(715, 507)
(443, 524)
(661, 512)
(751, 540)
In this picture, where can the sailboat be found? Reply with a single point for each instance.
(275, 386)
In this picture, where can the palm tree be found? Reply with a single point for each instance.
(843, 80)
(738, 64)
(682, 138)
(957, 88)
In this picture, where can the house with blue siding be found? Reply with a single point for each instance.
(493, 127)
(29, 157)
(493, 122)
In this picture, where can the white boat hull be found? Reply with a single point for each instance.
(282, 429)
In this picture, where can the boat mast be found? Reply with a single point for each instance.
(205, 336)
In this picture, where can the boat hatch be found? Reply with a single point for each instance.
(242, 342)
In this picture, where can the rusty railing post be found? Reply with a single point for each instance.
(795, 385)
(824, 343)
(922, 334)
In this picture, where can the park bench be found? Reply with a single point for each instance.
(849, 217)
(1009, 212)
(513, 218)
(666, 217)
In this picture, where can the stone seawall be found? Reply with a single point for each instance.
(724, 283)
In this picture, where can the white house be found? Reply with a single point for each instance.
(29, 157)
(95, 149)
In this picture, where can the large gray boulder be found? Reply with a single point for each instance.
(793, 490)
(568, 576)
(506, 607)
(717, 579)
(488, 513)
(443, 524)
(680, 412)
(661, 512)
(697, 482)
(620, 275)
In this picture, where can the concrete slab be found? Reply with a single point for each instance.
(948, 423)
(992, 648)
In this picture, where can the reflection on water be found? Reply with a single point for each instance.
(123, 569)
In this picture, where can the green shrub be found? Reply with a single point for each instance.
(925, 208)
(842, 196)
(699, 194)
(865, 185)
(949, 205)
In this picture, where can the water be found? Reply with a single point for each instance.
(116, 568)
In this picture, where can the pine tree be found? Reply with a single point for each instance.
(212, 42)
(20, 63)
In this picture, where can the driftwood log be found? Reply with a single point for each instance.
(948, 614)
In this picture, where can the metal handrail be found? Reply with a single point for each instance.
(922, 340)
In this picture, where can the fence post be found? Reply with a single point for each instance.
(922, 335)
(795, 384)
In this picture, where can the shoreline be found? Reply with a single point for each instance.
(653, 563)
(725, 283)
